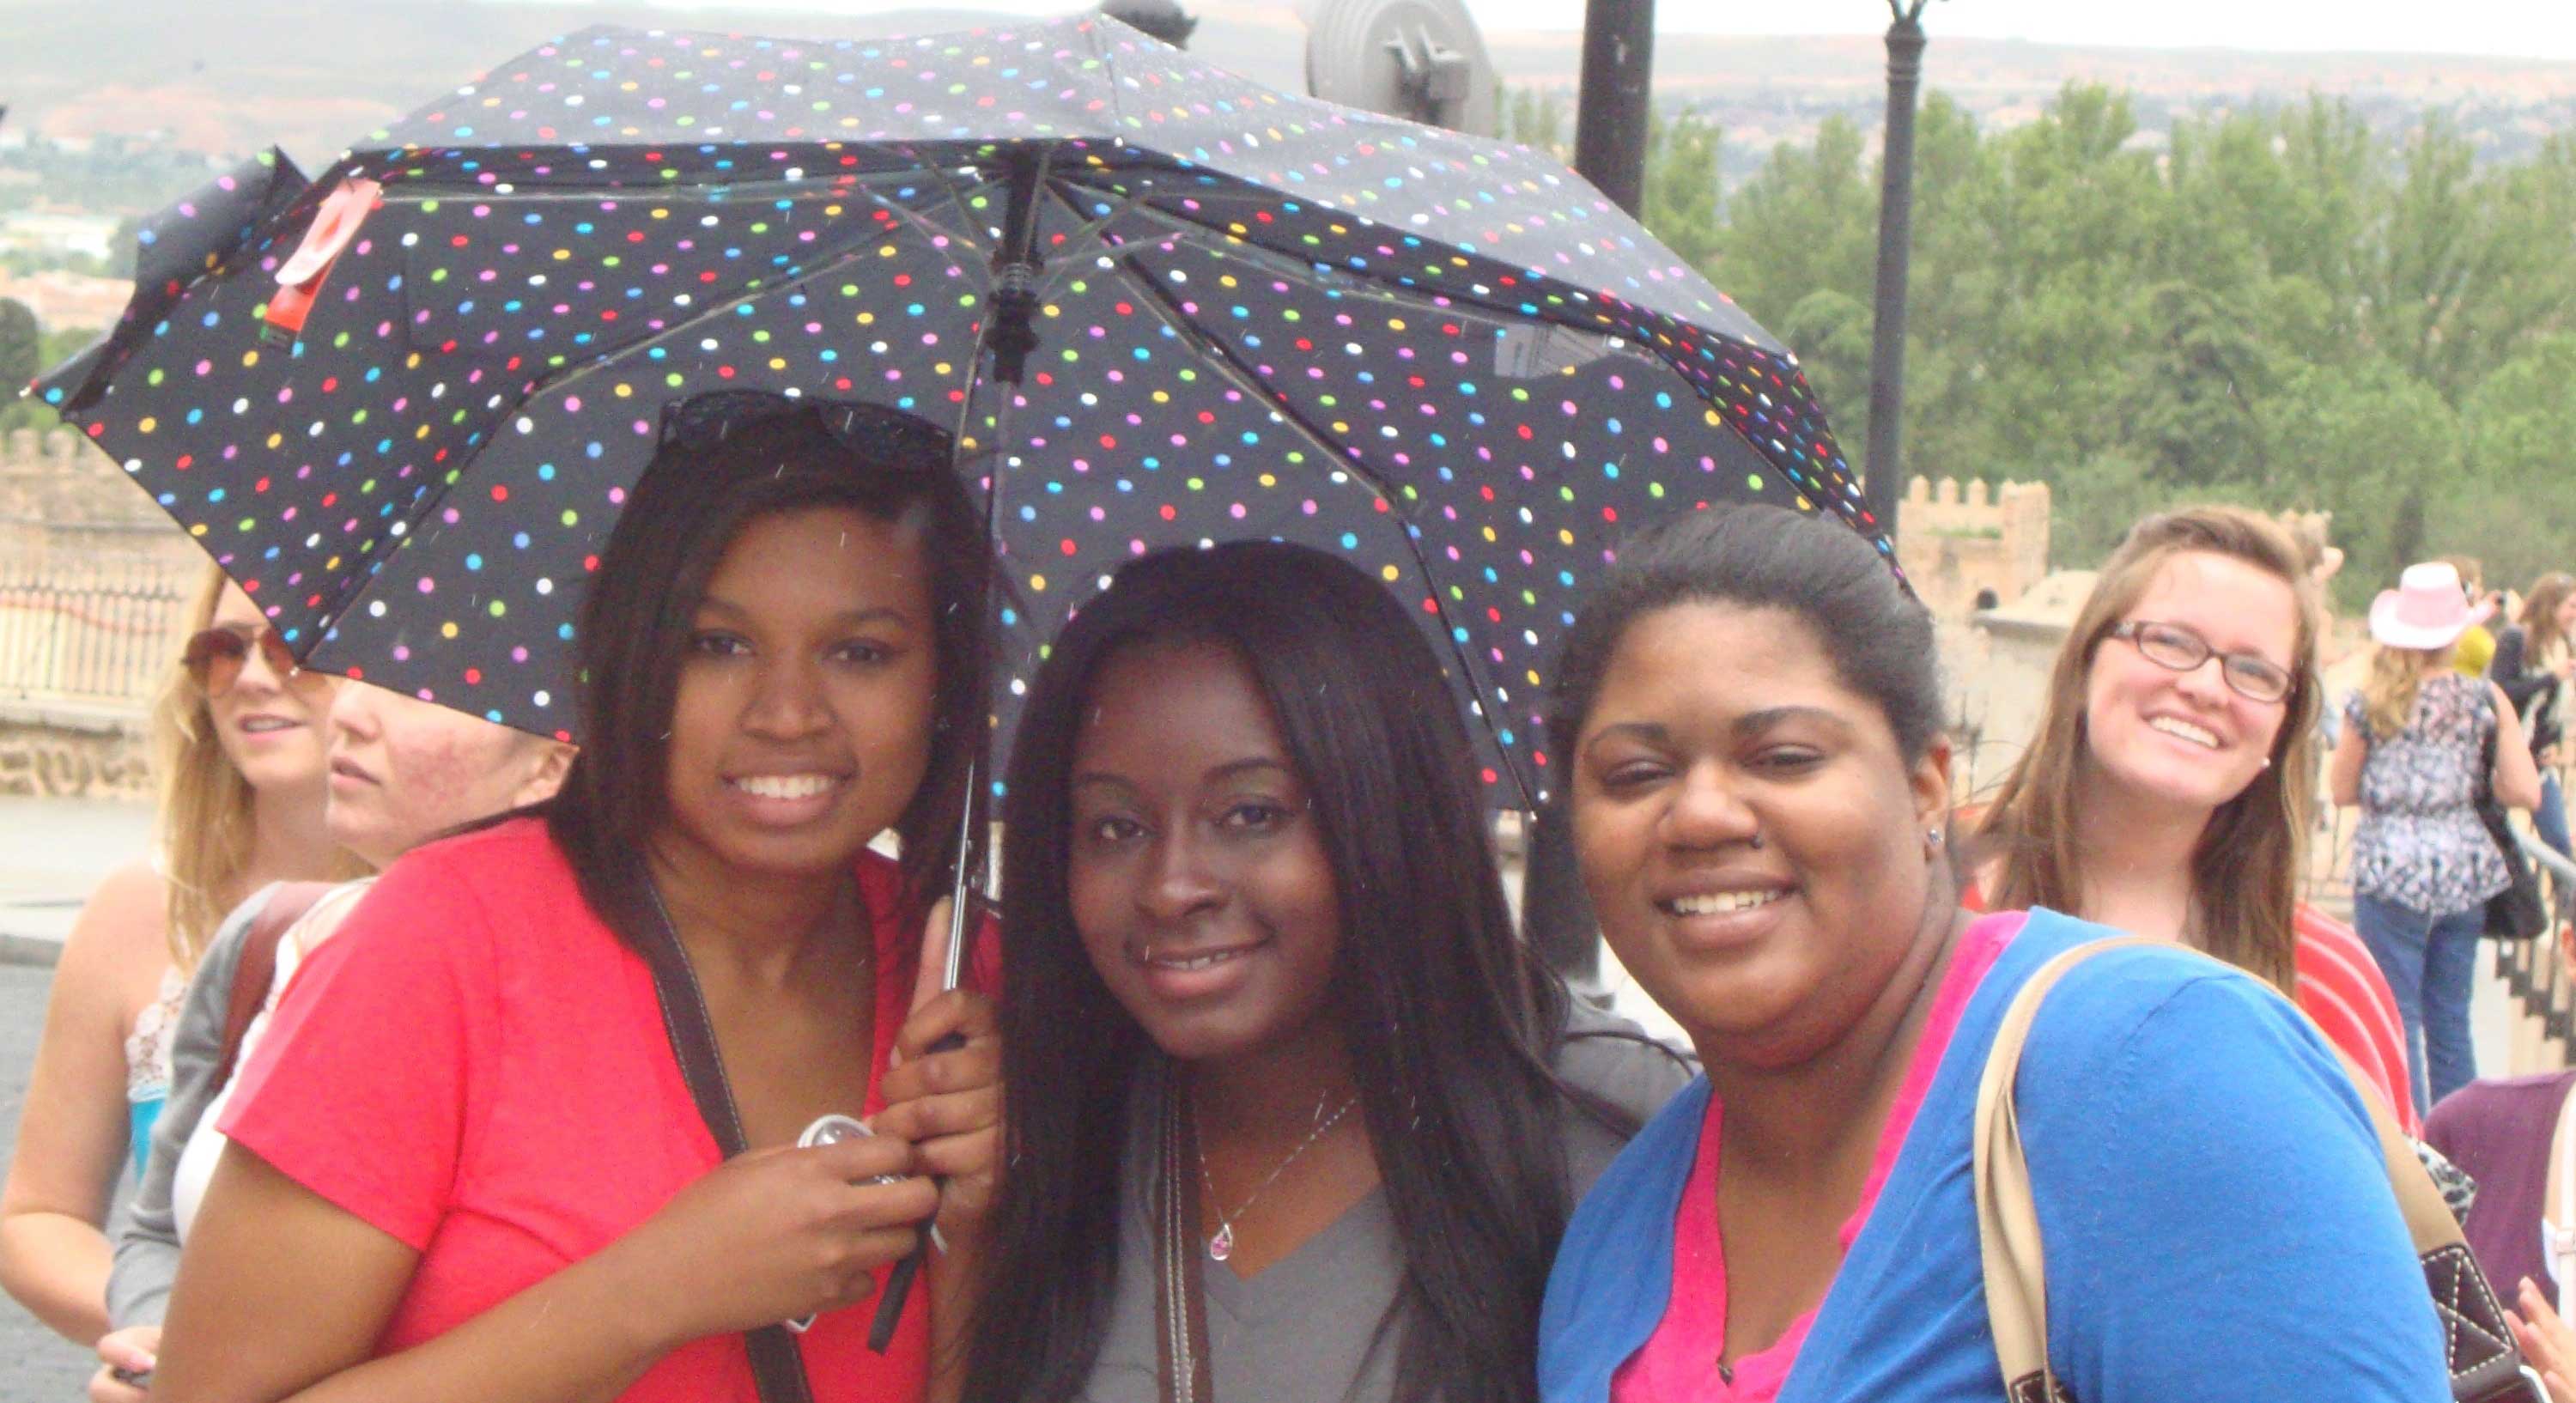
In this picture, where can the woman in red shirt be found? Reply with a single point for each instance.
(467, 1164)
(2171, 782)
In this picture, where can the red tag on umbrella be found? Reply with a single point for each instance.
(301, 278)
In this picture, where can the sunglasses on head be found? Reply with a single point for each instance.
(879, 431)
(214, 657)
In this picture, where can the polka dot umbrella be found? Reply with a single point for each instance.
(1154, 302)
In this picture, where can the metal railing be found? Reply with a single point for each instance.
(2533, 971)
(91, 633)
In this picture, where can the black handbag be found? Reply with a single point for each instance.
(2516, 913)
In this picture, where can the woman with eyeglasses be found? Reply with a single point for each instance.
(2421, 745)
(238, 751)
(2168, 788)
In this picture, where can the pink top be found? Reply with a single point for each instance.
(477, 1066)
(1677, 1364)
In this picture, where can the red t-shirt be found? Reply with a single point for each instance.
(477, 1066)
(2342, 991)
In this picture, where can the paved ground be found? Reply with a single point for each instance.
(52, 851)
(36, 1365)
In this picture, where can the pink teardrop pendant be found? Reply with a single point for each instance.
(1221, 1246)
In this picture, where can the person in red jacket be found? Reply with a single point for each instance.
(2170, 786)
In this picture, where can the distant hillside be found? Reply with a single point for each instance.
(222, 78)
(1763, 91)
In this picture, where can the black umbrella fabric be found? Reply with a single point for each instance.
(1156, 304)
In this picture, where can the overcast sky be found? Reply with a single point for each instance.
(2519, 28)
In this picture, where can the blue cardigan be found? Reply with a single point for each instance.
(2211, 1194)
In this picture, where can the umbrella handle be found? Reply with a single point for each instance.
(898, 1285)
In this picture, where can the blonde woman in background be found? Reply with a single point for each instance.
(2414, 757)
(238, 749)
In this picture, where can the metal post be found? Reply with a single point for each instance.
(1880, 474)
(1163, 19)
(1611, 108)
(1610, 151)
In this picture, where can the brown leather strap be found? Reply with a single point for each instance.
(287, 903)
(1180, 1309)
(777, 1367)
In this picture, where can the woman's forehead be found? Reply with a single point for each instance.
(1718, 660)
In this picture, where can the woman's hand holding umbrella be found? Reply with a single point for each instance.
(943, 1089)
(776, 1234)
(943, 1093)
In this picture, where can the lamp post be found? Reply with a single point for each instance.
(1611, 105)
(1610, 151)
(1880, 478)
(1163, 19)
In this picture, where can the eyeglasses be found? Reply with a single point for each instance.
(877, 431)
(2171, 646)
(214, 657)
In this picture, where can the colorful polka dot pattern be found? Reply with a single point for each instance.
(1445, 359)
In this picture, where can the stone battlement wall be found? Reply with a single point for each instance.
(93, 579)
(1970, 546)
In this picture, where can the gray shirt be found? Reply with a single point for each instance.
(147, 1250)
(1321, 1324)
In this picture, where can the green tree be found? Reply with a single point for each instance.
(2372, 443)
(1683, 152)
(2278, 306)
(22, 346)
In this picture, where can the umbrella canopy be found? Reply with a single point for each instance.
(1156, 303)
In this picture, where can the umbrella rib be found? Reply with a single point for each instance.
(575, 374)
(1223, 359)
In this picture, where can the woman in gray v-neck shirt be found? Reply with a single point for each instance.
(1248, 901)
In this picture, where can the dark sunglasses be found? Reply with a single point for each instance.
(214, 657)
(874, 430)
(2178, 649)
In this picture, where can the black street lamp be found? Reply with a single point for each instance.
(1880, 475)
(1611, 104)
(1163, 19)
(1611, 110)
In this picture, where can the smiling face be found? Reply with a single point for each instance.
(1196, 871)
(404, 770)
(269, 726)
(803, 719)
(1717, 726)
(2186, 740)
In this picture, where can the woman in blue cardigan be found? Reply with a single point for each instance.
(1750, 713)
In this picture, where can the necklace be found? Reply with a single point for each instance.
(1221, 1245)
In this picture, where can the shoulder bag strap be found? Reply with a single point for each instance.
(2478, 1348)
(2007, 1219)
(257, 969)
(1180, 1307)
(777, 1368)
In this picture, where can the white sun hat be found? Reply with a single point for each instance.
(2426, 610)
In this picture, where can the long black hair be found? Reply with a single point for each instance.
(1449, 1019)
(640, 607)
